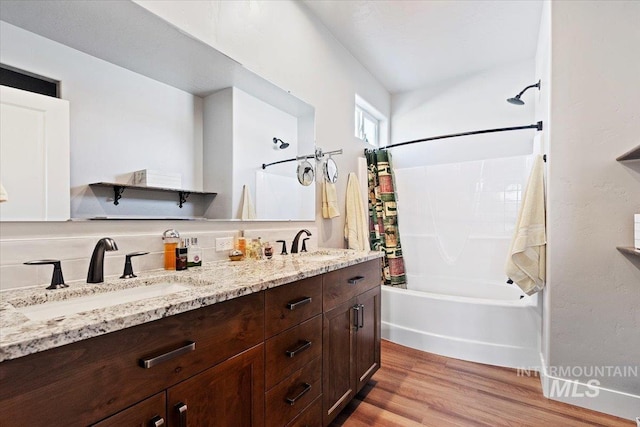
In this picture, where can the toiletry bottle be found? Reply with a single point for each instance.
(259, 249)
(171, 238)
(189, 244)
(181, 259)
(242, 246)
(268, 250)
(185, 245)
(195, 253)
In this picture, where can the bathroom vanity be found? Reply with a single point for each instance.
(279, 342)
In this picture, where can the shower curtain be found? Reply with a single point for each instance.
(383, 217)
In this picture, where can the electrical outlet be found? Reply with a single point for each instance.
(224, 244)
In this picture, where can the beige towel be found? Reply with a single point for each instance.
(356, 225)
(329, 200)
(247, 211)
(526, 262)
(4, 197)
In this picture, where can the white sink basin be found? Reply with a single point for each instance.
(320, 257)
(56, 309)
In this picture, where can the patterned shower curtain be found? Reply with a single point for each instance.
(384, 234)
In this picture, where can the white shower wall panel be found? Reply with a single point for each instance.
(457, 219)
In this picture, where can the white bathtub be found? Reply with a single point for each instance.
(491, 325)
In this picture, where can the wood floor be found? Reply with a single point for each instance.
(414, 388)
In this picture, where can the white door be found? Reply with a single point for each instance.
(34, 156)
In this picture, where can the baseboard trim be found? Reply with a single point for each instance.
(589, 396)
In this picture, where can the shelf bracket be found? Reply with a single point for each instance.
(183, 196)
(117, 194)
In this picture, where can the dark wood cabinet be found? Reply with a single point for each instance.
(148, 413)
(84, 382)
(338, 367)
(351, 334)
(230, 394)
(367, 352)
(294, 355)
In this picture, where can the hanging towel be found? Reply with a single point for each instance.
(329, 200)
(247, 211)
(4, 197)
(356, 225)
(526, 262)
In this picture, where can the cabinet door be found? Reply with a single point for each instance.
(367, 336)
(148, 413)
(338, 346)
(230, 394)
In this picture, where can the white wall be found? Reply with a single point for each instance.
(542, 112)
(120, 122)
(594, 291)
(283, 42)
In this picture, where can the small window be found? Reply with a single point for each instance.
(370, 124)
(367, 127)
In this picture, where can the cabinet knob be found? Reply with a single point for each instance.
(156, 421)
(181, 410)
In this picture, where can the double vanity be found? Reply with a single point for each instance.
(281, 342)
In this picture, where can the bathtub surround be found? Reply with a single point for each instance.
(526, 260)
(383, 217)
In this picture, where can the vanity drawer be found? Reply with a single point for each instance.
(292, 349)
(288, 305)
(287, 399)
(310, 417)
(80, 383)
(346, 283)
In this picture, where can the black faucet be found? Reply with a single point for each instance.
(96, 267)
(294, 245)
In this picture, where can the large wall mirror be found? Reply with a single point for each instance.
(142, 95)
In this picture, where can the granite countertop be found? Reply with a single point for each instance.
(213, 282)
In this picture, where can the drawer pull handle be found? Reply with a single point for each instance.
(356, 316)
(361, 312)
(181, 410)
(292, 400)
(156, 421)
(295, 304)
(150, 362)
(356, 280)
(303, 345)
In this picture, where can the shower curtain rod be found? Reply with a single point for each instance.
(537, 126)
(317, 155)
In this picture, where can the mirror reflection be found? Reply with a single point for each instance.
(146, 97)
(330, 169)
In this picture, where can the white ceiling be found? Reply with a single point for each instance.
(409, 44)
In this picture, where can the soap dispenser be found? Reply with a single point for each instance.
(171, 239)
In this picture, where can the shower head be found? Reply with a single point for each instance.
(283, 144)
(516, 100)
